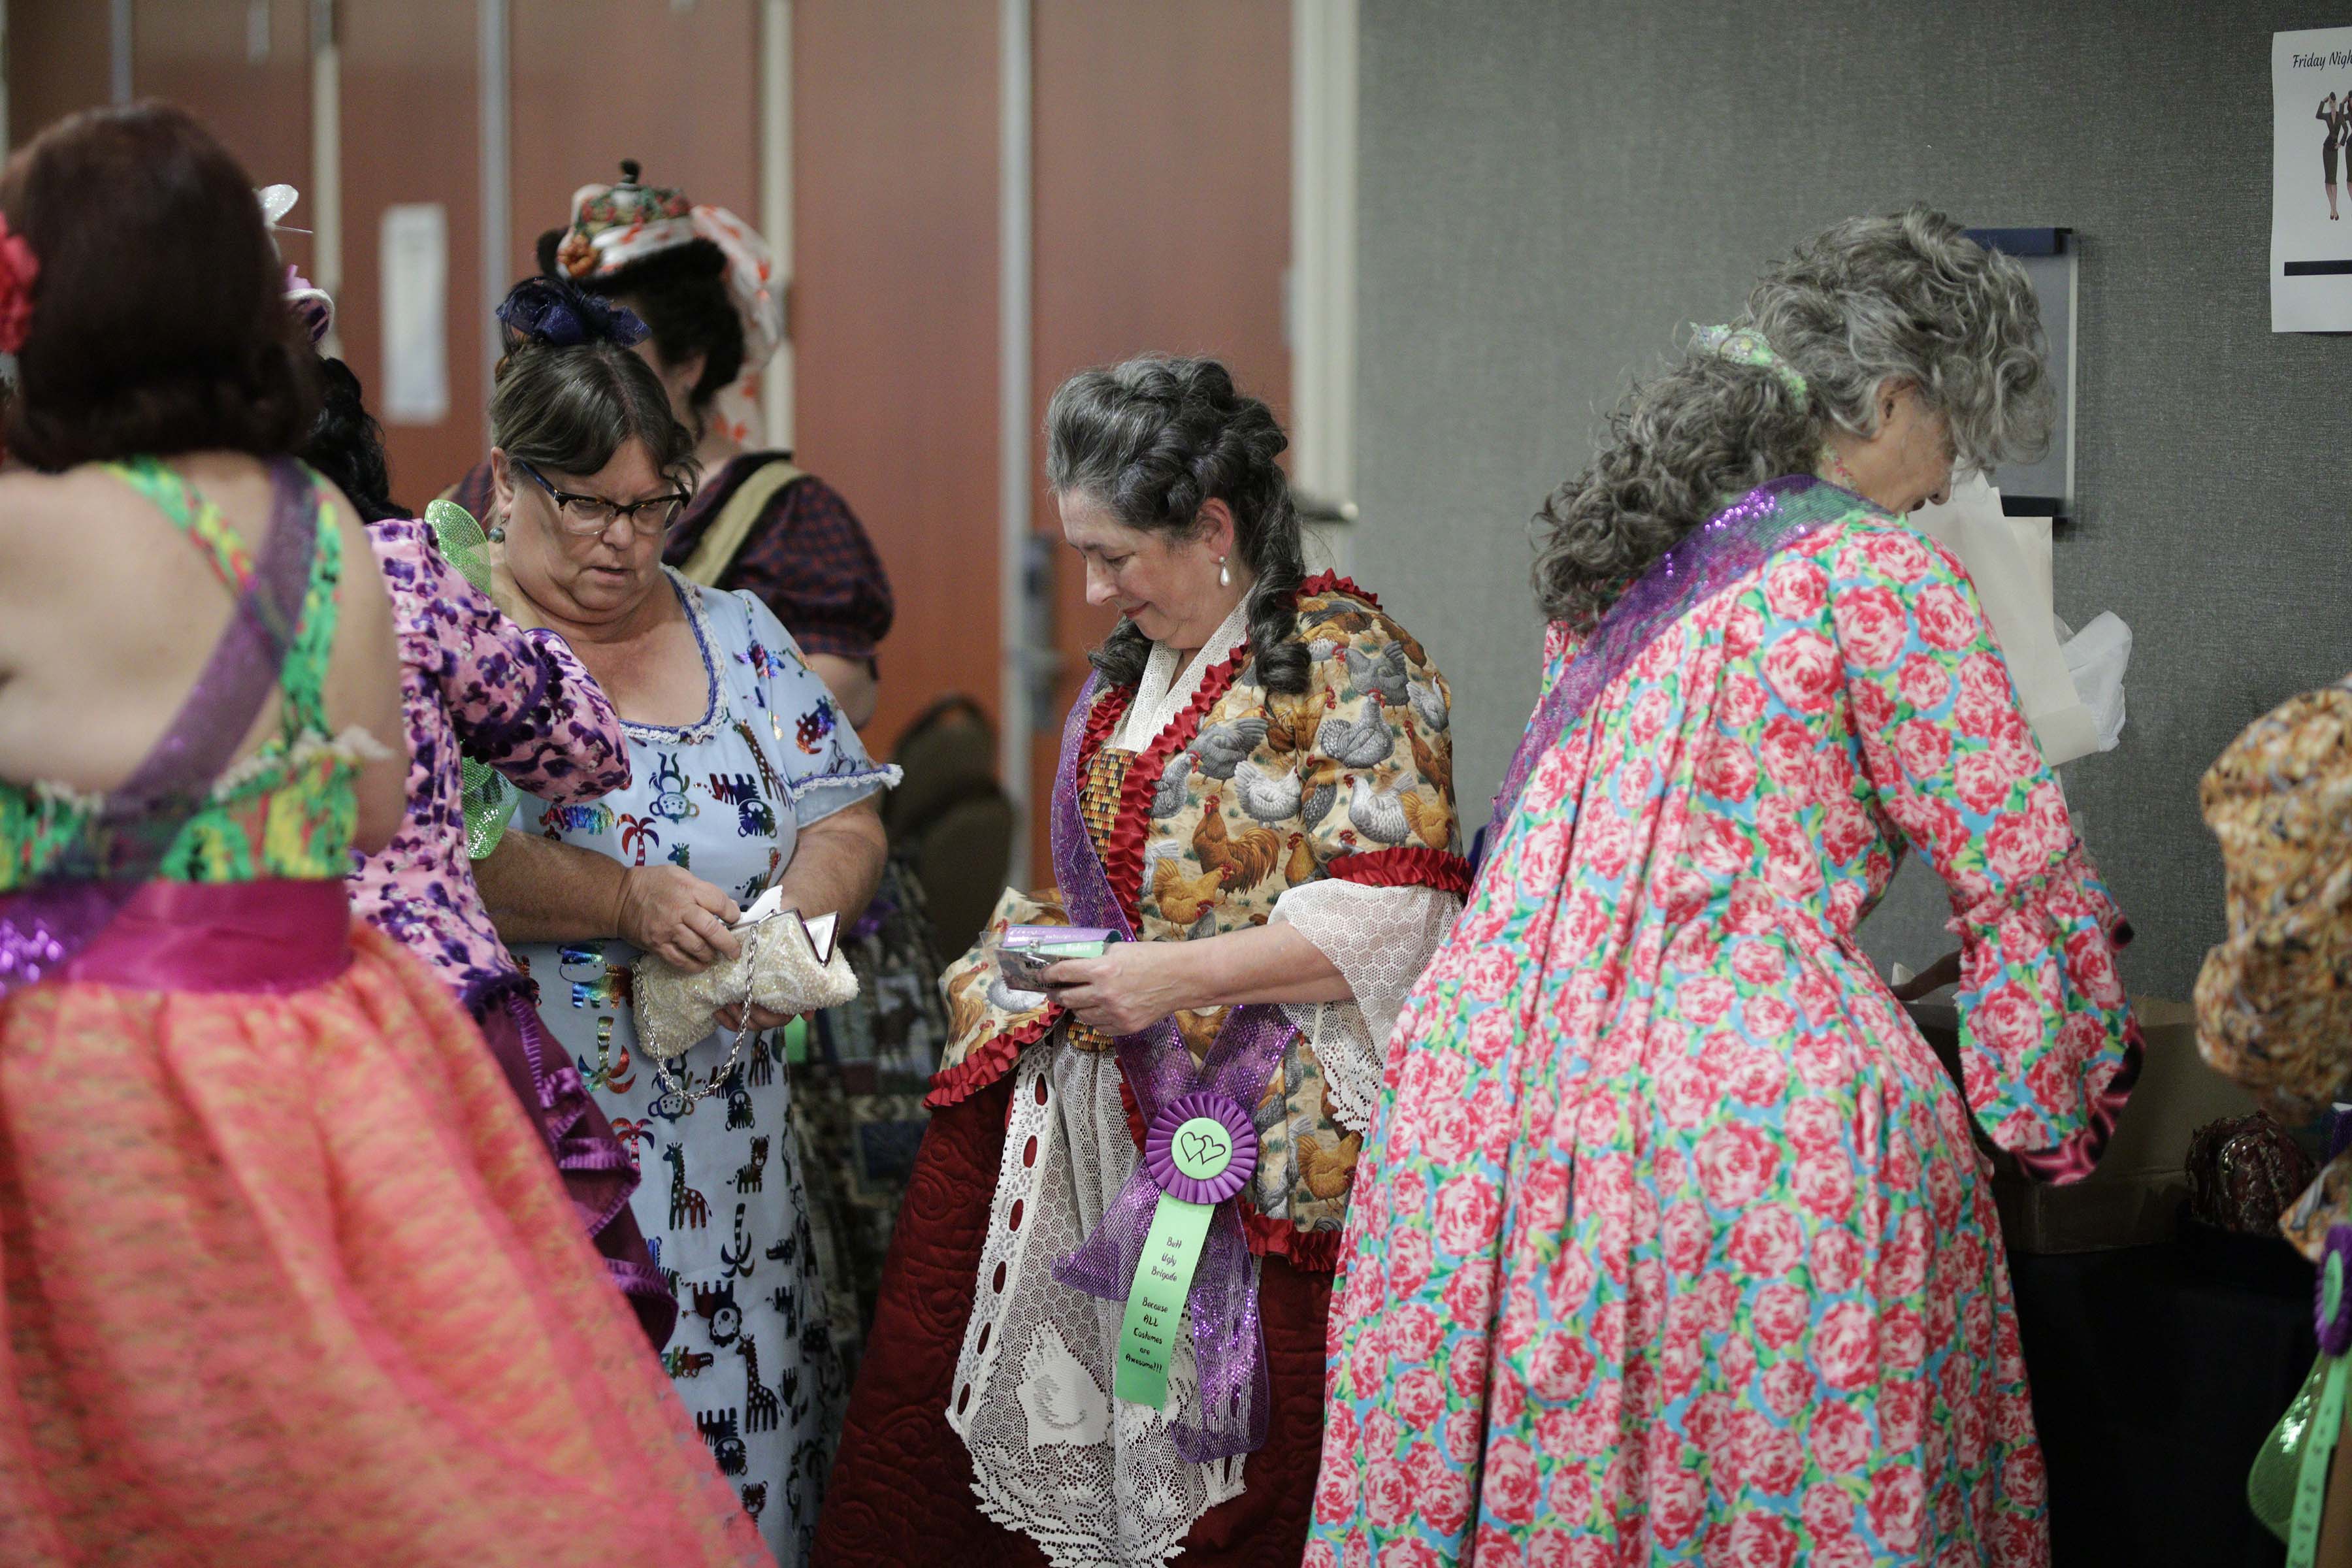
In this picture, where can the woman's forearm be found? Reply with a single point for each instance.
(836, 863)
(1268, 964)
(537, 889)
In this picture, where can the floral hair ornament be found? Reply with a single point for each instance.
(563, 315)
(18, 271)
(1745, 345)
(310, 302)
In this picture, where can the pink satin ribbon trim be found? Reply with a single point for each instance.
(272, 937)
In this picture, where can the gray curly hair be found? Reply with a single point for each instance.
(1907, 297)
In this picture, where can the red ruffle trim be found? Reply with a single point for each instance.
(1324, 583)
(988, 1061)
(1124, 864)
(1404, 869)
(1317, 1251)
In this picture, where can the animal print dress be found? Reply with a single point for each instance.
(722, 1201)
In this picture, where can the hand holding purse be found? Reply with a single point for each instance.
(786, 965)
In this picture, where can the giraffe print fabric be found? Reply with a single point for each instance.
(721, 1199)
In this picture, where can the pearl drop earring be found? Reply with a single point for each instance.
(1225, 573)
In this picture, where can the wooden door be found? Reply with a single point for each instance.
(60, 59)
(894, 318)
(411, 110)
(1162, 166)
(594, 81)
(242, 67)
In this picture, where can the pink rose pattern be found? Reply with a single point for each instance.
(1708, 1270)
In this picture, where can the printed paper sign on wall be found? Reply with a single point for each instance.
(2310, 181)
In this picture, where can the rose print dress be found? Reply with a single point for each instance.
(1671, 1241)
(722, 1202)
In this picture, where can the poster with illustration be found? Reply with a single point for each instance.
(2310, 181)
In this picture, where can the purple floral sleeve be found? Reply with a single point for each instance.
(520, 700)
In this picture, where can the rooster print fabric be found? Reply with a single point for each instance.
(1247, 796)
(1670, 1243)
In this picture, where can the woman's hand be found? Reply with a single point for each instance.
(669, 911)
(1130, 987)
(732, 1018)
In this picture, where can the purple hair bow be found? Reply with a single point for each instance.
(561, 315)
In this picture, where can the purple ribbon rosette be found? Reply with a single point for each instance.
(1171, 1246)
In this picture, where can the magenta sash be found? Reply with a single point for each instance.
(117, 857)
(268, 937)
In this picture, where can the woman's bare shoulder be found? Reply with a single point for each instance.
(57, 523)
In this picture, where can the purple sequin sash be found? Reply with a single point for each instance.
(1228, 1346)
(124, 843)
(1711, 557)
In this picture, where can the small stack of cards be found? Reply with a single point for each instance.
(1024, 954)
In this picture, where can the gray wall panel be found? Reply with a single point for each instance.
(1552, 188)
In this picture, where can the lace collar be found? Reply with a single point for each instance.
(1163, 693)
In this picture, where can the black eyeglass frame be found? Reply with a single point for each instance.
(615, 511)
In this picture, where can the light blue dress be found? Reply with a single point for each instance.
(722, 1201)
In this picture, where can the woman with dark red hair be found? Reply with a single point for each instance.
(289, 1278)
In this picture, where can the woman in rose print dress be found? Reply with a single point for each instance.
(1670, 1242)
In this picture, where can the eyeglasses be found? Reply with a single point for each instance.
(588, 517)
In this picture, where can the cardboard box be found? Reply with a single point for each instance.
(2132, 1198)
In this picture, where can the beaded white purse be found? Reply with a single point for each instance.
(786, 965)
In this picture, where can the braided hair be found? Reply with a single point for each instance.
(1155, 439)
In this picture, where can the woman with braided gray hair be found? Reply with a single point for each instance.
(1105, 1308)
(1712, 1269)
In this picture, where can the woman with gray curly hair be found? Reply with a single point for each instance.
(1101, 1334)
(1710, 1266)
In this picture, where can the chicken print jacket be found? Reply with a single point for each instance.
(1249, 794)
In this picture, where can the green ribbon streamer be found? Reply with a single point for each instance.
(1203, 1148)
(487, 798)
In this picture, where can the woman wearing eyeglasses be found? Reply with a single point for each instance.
(741, 779)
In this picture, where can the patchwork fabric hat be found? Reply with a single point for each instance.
(612, 225)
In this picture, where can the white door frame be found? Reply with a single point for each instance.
(1320, 294)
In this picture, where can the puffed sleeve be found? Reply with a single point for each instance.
(1376, 783)
(809, 560)
(823, 763)
(520, 700)
(2274, 1000)
(2048, 1047)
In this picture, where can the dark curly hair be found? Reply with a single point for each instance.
(682, 292)
(1907, 297)
(347, 444)
(159, 323)
(1155, 438)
